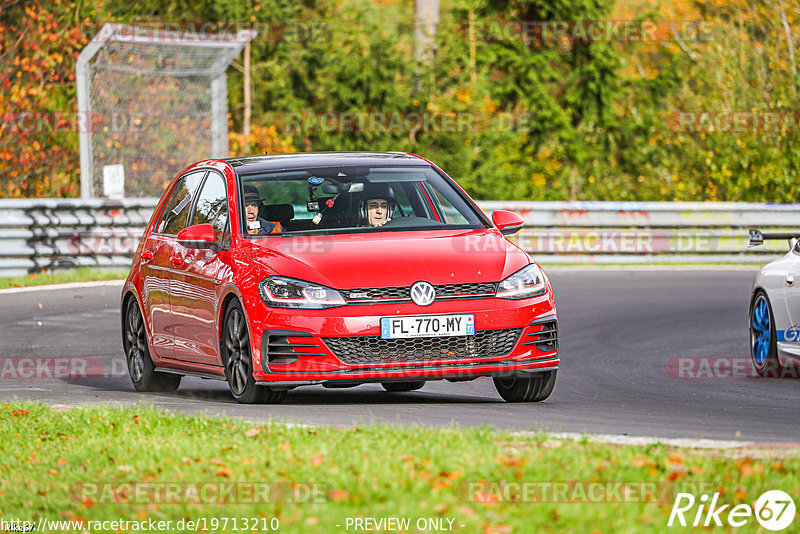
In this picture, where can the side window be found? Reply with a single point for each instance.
(173, 220)
(212, 206)
(418, 200)
(449, 212)
(403, 204)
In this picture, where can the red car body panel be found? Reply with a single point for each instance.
(182, 293)
(390, 259)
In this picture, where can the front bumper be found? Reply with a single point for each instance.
(342, 345)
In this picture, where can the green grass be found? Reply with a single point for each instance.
(81, 274)
(62, 464)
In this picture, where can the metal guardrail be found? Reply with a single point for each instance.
(648, 232)
(54, 234)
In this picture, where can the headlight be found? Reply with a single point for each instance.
(283, 292)
(525, 283)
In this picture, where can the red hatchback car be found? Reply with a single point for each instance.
(279, 271)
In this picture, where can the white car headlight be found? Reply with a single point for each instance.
(525, 283)
(283, 292)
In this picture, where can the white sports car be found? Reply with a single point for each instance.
(775, 309)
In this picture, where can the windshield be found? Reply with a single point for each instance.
(352, 199)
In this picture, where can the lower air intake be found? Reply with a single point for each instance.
(373, 349)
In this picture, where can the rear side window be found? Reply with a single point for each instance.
(173, 220)
(212, 206)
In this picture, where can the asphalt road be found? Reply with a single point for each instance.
(644, 353)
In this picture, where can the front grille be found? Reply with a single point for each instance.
(373, 349)
(546, 339)
(404, 292)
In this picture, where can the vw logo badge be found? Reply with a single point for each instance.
(422, 293)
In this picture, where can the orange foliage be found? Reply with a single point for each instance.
(261, 139)
(38, 132)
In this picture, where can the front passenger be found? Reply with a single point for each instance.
(255, 224)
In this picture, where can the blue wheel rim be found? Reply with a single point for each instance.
(760, 323)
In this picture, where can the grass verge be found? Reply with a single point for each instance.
(140, 464)
(81, 274)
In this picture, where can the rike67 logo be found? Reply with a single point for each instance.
(774, 510)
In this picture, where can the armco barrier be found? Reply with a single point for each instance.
(648, 232)
(54, 234)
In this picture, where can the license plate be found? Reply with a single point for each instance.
(427, 326)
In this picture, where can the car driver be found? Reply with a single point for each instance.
(378, 205)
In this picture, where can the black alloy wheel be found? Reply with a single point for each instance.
(140, 365)
(238, 361)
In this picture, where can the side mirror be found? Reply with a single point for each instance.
(200, 236)
(507, 222)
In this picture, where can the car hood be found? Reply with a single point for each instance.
(390, 258)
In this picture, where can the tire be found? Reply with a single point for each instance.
(397, 387)
(140, 366)
(237, 359)
(519, 388)
(763, 340)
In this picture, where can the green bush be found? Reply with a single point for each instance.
(550, 119)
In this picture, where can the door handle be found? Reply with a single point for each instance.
(789, 280)
(177, 261)
(147, 255)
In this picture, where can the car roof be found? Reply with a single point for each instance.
(302, 160)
